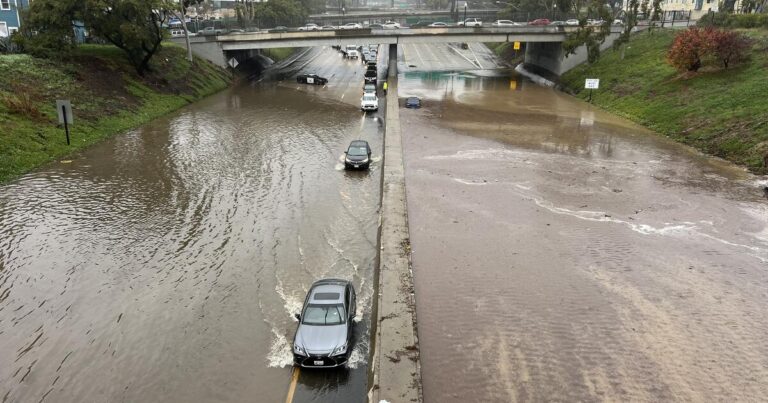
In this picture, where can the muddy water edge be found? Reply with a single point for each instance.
(562, 254)
(166, 264)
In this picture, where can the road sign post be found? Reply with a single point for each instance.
(592, 84)
(64, 109)
(233, 63)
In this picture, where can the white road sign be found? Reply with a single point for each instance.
(63, 106)
(592, 83)
(233, 62)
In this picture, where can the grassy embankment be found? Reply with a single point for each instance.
(278, 54)
(720, 112)
(107, 97)
(506, 52)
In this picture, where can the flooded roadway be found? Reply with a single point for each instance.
(166, 264)
(562, 254)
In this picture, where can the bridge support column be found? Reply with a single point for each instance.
(549, 59)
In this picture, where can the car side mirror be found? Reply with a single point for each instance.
(298, 316)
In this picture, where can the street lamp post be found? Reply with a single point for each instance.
(554, 10)
(465, 14)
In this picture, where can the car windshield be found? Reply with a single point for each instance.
(323, 315)
(369, 98)
(357, 151)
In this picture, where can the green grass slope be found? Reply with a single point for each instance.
(106, 94)
(720, 112)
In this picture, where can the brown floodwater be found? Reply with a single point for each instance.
(166, 264)
(563, 254)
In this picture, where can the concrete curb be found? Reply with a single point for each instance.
(396, 367)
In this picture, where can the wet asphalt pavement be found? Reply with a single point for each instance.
(563, 254)
(559, 253)
(166, 264)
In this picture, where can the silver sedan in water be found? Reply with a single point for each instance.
(325, 325)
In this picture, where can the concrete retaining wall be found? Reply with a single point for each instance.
(551, 57)
(396, 367)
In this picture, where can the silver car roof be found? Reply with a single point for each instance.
(325, 290)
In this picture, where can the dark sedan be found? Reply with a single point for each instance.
(311, 79)
(413, 102)
(358, 155)
(323, 338)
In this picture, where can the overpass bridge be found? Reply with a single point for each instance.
(543, 43)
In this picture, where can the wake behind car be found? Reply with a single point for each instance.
(324, 333)
(358, 155)
(311, 79)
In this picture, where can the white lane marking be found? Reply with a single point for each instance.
(469, 45)
(415, 47)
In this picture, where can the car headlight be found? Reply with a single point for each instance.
(340, 349)
(298, 349)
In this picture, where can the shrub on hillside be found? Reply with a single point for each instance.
(21, 103)
(688, 49)
(692, 48)
(729, 46)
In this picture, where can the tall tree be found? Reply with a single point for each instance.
(589, 35)
(135, 26)
(47, 27)
(280, 12)
(181, 14)
(630, 22)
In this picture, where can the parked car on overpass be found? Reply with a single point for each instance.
(505, 23)
(438, 25)
(351, 25)
(390, 25)
(540, 21)
(310, 27)
(470, 22)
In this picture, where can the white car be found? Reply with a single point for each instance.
(369, 102)
(353, 54)
(470, 22)
(390, 25)
(505, 23)
(310, 27)
(351, 25)
(438, 25)
(572, 21)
